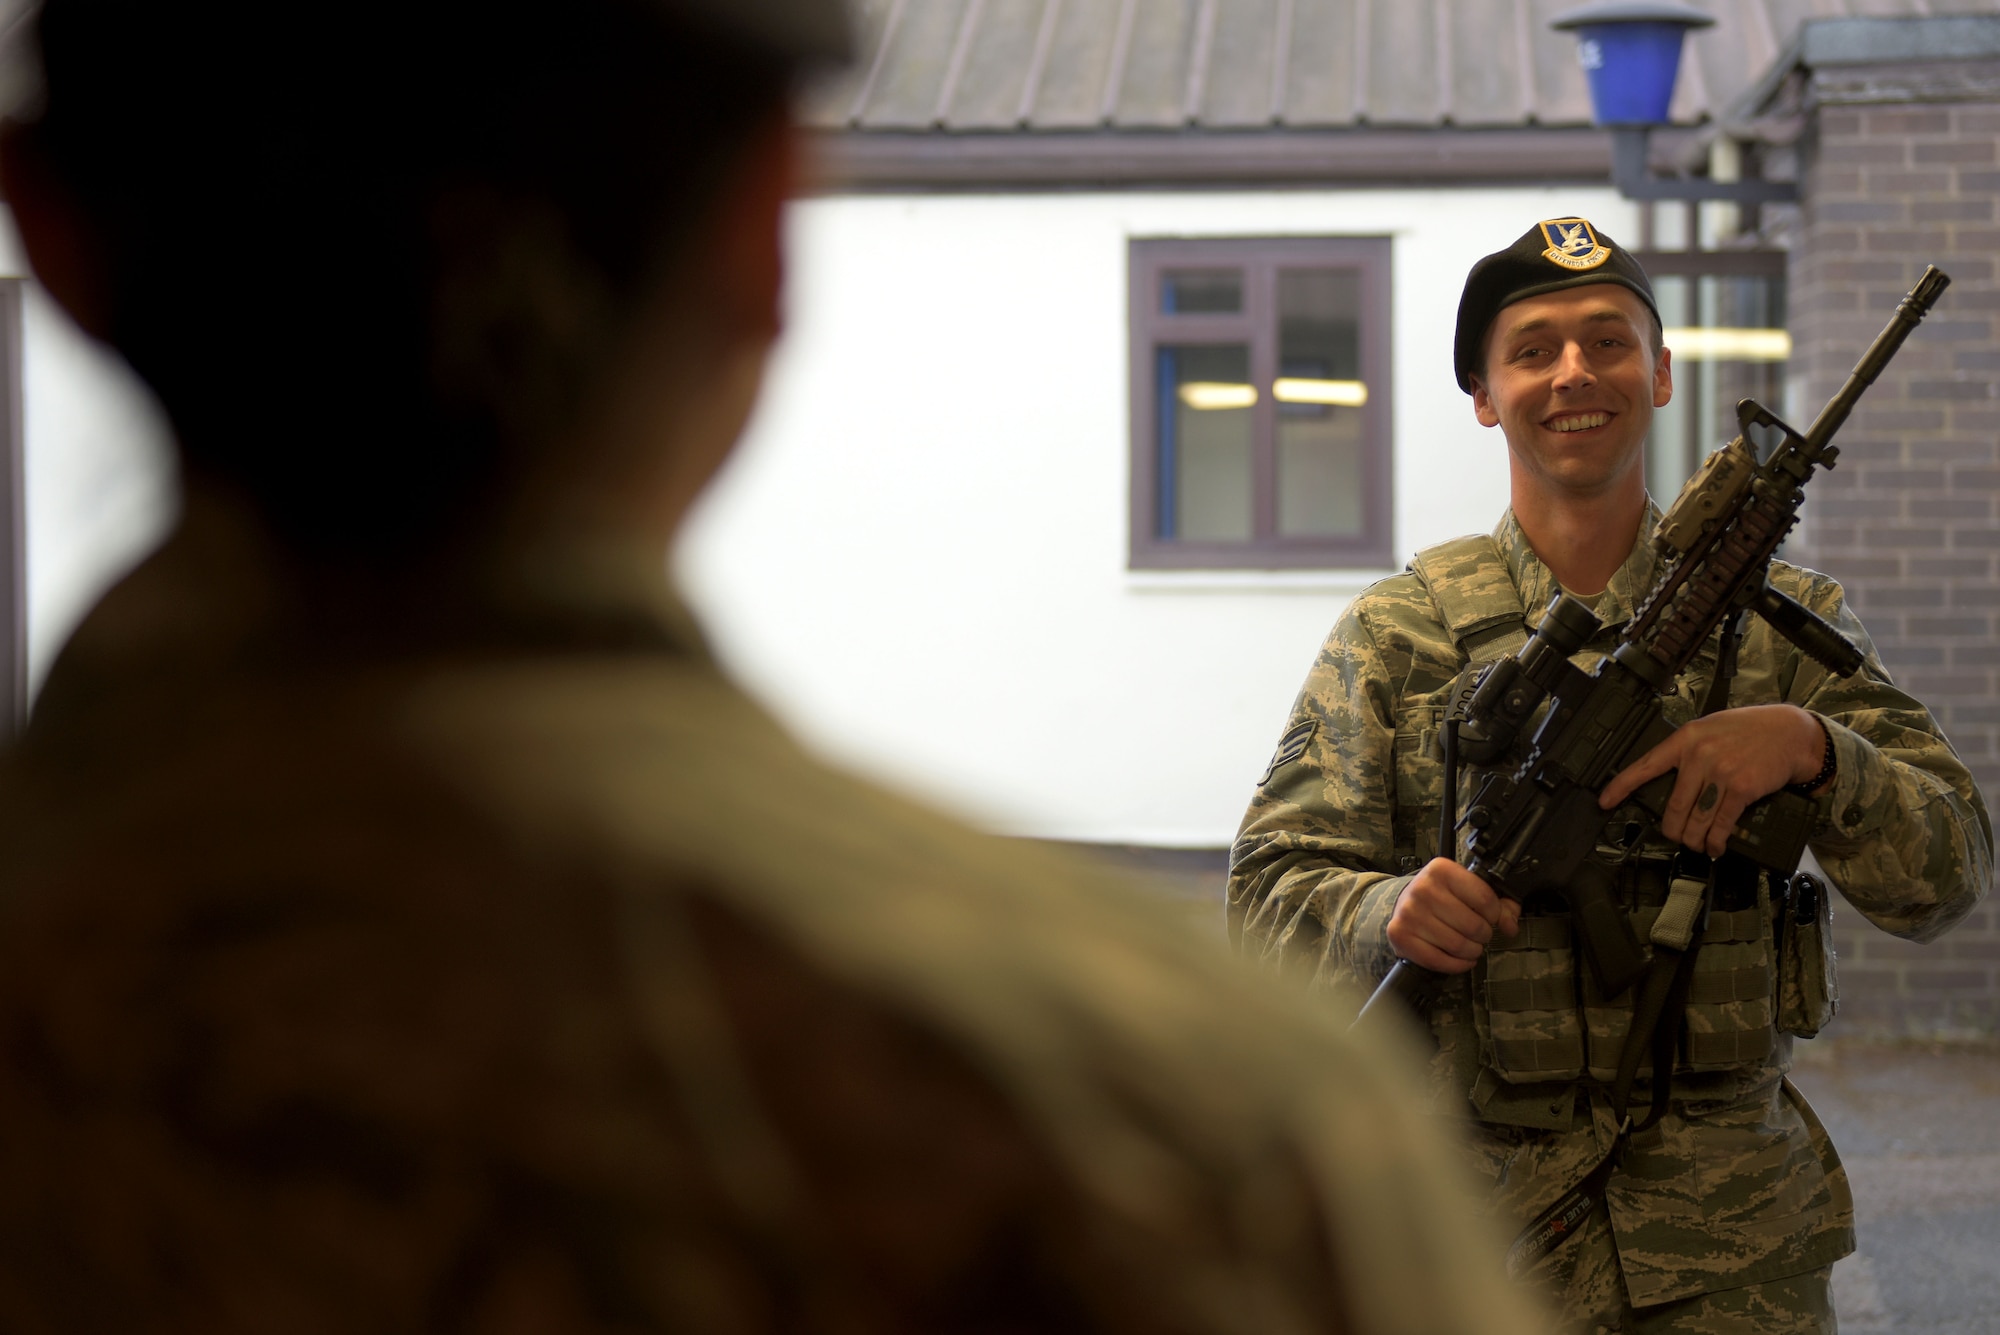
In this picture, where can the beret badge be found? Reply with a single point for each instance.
(1554, 254)
(1572, 244)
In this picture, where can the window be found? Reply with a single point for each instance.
(1260, 403)
(1724, 313)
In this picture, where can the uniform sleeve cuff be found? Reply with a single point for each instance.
(1846, 811)
(1373, 955)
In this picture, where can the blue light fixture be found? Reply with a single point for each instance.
(1631, 54)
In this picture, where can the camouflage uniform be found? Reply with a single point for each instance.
(1738, 1186)
(508, 969)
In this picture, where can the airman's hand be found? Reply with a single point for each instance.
(1446, 915)
(1726, 761)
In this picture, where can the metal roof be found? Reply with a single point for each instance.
(998, 66)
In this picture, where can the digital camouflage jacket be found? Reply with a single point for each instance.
(1738, 1184)
(507, 968)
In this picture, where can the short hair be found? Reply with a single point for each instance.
(266, 178)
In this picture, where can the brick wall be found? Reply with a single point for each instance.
(1910, 519)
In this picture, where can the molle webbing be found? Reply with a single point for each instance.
(1731, 1015)
(1712, 989)
(1547, 1023)
(1531, 1002)
(1728, 1012)
(1530, 994)
(1731, 1048)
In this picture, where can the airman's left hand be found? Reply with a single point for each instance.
(1726, 761)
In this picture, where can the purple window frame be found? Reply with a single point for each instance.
(1260, 259)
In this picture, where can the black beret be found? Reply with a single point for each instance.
(1550, 256)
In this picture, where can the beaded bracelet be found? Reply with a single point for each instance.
(1826, 765)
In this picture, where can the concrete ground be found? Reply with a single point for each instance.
(1918, 1127)
(1919, 1130)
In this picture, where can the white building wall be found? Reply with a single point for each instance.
(918, 555)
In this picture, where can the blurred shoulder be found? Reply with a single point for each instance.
(1171, 1083)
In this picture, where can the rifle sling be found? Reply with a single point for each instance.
(1662, 995)
(1725, 665)
(1560, 1222)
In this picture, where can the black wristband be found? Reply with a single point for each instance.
(1826, 764)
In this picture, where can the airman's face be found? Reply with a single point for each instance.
(1571, 379)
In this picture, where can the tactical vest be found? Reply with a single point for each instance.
(1539, 1024)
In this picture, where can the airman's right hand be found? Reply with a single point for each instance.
(1446, 915)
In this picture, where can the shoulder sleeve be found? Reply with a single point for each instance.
(1904, 831)
(1312, 874)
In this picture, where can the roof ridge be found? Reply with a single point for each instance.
(1114, 74)
(1198, 58)
(1524, 55)
(1441, 44)
(955, 69)
(866, 91)
(1031, 84)
(1362, 15)
(1281, 62)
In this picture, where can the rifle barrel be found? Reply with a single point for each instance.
(1910, 313)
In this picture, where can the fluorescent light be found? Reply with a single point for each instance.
(1730, 345)
(1208, 395)
(1344, 393)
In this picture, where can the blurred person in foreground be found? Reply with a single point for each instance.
(406, 926)
(1713, 1201)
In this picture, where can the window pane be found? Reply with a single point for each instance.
(1745, 353)
(1671, 441)
(1319, 399)
(1261, 368)
(1729, 342)
(1201, 292)
(1205, 419)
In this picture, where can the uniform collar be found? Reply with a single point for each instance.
(1536, 585)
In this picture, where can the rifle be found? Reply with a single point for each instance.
(1533, 826)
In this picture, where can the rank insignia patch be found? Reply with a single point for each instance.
(1291, 746)
(1572, 244)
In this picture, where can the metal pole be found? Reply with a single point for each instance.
(13, 524)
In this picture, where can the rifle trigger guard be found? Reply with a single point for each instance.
(1624, 833)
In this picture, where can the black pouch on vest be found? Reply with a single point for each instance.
(1806, 990)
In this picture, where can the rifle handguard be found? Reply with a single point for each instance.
(1809, 631)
